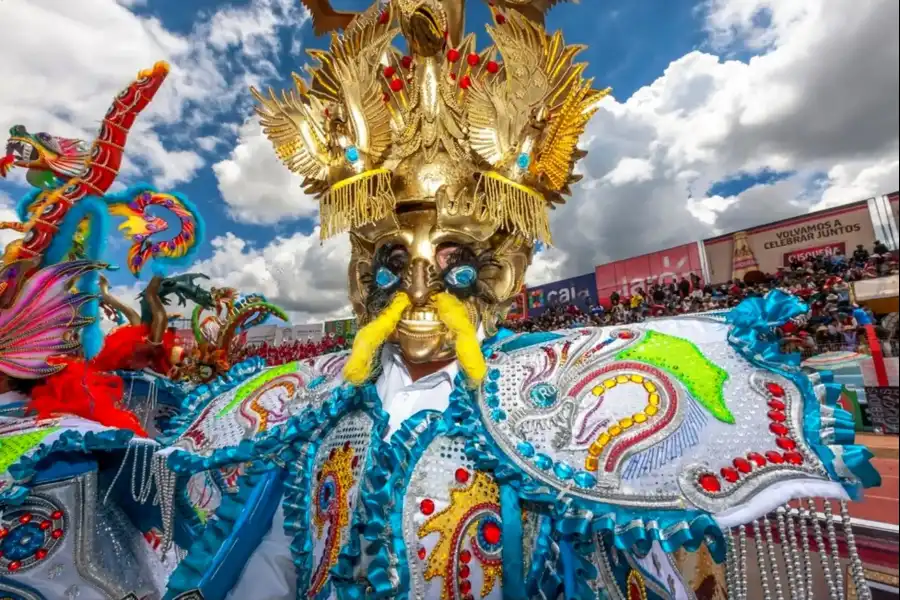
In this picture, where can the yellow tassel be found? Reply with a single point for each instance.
(454, 315)
(371, 337)
(516, 207)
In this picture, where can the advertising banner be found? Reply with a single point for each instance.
(808, 253)
(341, 328)
(773, 244)
(665, 266)
(580, 291)
(518, 311)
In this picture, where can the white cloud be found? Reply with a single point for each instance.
(630, 170)
(7, 213)
(255, 185)
(65, 87)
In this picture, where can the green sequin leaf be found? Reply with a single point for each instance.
(13, 447)
(703, 379)
(255, 383)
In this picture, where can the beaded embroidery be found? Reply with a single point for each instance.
(331, 506)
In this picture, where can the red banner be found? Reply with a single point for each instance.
(665, 266)
(808, 253)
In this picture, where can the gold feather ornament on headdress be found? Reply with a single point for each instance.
(374, 130)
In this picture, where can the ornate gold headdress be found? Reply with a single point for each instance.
(485, 136)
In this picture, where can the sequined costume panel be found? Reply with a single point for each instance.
(666, 414)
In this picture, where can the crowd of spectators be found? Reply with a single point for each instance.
(823, 282)
(291, 351)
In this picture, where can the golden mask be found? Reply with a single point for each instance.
(441, 164)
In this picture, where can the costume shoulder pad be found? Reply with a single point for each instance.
(227, 420)
(685, 413)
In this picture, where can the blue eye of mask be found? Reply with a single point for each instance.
(462, 276)
(385, 278)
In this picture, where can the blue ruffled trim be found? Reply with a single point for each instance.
(70, 441)
(827, 429)
(194, 570)
(579, 517)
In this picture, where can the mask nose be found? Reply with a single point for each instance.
(418, 290)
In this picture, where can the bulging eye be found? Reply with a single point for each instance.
(462, 276)
(385, 278)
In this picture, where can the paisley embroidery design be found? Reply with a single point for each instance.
(331, 507)
(470, 530)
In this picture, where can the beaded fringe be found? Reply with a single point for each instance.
(790, 575)
(356, 201)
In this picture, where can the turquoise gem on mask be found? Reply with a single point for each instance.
(385, 278)
(352, 154)
(523, 161)
(462, 276)
(583, 479)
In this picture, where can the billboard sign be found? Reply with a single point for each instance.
(665, 266)
(772, 245)
(580, 291)
(341, 328)
(810, 253)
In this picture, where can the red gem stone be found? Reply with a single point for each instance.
(743, 465)
(465, 586)
(464, 571)
(465, 556)
(778, 429)
(492, 533)
(383, 18)
(730, 475)
(453, 55)
(421, 553)
(56, 534)
(465, 82)
(776, 404)
(625, 335)
(406, 62)
(777, 415)
(462, 476)
(500, 19)
(795, 458)
(786, 443)
(45, 525)
(389, 71)
(758, 458)
(774, 457)
(492, 67)
(775, 389)
(427, 506)
(3, 532)
(396, 85)
(472, 59)
(57, 515)
(26, 518)
(14, 565)
(41, 554)
(709, 482)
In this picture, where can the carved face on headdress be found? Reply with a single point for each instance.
(443, 167)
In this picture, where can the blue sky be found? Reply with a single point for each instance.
(724, 115)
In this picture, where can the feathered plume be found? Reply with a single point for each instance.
(43, 321)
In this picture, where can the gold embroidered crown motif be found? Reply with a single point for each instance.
(489, 135)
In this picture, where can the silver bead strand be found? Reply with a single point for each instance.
(761, 560)
(856, 567)
(786, 552)
(730, 565)
(773, 559)
(804, 541)
(112, 485)
(835, 549)
(742, 563)
(800, 575)
(824, 555)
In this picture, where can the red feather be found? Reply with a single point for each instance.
(84, 391)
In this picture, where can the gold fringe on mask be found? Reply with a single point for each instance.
(356, 201)
(371, 337)
(454, 315)
(516, 207)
